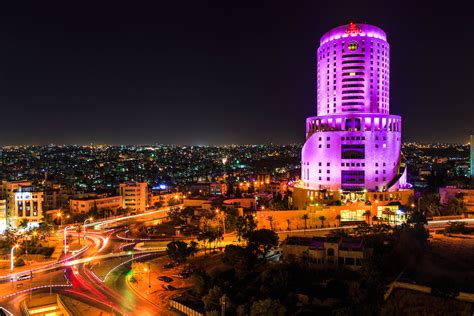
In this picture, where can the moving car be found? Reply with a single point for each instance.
(24, 277)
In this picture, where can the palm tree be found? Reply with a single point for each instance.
(23, 223)
(270, 220)
(305, 218)
(338, 218)
(367, 216)
(288, 224)
(375, 219)
(388, 212)
(322, 218)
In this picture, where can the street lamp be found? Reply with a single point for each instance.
(419, 199)
(59, 215)
(149, 280)
(87, 219)
(65, 240)
(12, 265)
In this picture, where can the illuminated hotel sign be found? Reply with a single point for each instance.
(353, 29)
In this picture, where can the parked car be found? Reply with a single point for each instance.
(182, 275)
(165, 279)
(169, 265)
(168, 287)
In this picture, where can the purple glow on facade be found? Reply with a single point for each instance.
(353, 143)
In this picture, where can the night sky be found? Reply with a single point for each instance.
(223, 72)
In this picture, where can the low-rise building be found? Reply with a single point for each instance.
(164, 198)
(26, 203)
(3, 215)
(276, 187)
(327, 252)
(134, 196)
(206, 188)
(86, 203)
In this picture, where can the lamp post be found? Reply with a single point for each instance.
(149, 280)
(12, 262)
(148, 270)
(87, 219)
(59, 215)
(65, 240)
(419, 199)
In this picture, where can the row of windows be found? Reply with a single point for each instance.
(352, 164)
(352, 176)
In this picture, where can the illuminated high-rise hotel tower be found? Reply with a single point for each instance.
(354, 143)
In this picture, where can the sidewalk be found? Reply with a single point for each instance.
(150, 288)
(26, 267)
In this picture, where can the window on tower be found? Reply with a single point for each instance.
(353, 151)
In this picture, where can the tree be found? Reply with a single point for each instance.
(322, 218)
(261, 241)
(235, 255)
(179, 251)
(416, 217)
(457, 228)
(338, 218)
(121, 211)
(193, 248)
(175, 215)
(230, 189)
(456, 206)
(174, 201)
(429, 204)
(305, 218)
(158, 204)
(23, 223)
(245, 225)
(238, 192)
(206, 235)
(211, 300)
(267, 307)
(387, 211)
(11, 237)
(367, 216)
(375, 218)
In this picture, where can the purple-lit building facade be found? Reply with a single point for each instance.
(354, 143)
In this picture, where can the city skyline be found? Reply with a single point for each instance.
(213, 75)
